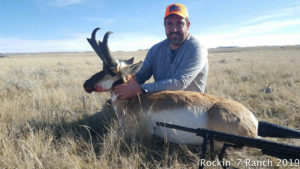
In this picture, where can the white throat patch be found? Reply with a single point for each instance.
(114, 96)
(107, 84)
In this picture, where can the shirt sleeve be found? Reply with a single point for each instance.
(187, 71)
(145, 72)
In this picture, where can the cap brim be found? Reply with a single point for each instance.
(179, 14)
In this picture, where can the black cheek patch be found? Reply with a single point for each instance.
(92, 81)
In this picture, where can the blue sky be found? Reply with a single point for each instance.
(64, 25)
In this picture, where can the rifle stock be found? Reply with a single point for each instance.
(266, 129)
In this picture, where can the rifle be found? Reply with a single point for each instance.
(265, 129)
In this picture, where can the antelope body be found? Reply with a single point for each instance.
(185, 108)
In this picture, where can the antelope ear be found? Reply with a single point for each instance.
(131, 69)
(129, 61)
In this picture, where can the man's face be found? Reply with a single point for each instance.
(176, 29)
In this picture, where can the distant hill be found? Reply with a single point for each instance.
(222, 47)
(143, 52)
(227, 49)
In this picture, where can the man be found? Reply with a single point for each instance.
(177, 63)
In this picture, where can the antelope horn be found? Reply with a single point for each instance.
(112, 63)
(102, 50)
(95, 46)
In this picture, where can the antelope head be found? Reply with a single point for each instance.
(114, 71)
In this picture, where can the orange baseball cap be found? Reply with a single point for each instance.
(178, 9)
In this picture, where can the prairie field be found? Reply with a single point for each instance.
(48, 121)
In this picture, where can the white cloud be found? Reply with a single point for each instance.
(263, 27)
(273, 29)
(133, 41)
(61, 3)
(264, 30)
(121, 42)
(271, 15)
(12, 45)
(212, 41)
(277, 18)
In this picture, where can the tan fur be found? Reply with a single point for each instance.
(165, 100)
(222, 114)
(231, 117)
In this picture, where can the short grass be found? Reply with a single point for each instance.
(48, 121)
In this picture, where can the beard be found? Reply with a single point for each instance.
(175, 38)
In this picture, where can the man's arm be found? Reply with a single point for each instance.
(190, 67)
(145, 72)
(185, 74)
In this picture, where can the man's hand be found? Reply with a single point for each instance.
(130, 89)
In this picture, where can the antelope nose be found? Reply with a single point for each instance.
(87, 88)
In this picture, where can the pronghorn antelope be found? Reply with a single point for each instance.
(185, 108)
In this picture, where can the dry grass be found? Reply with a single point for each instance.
(48, 121)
